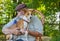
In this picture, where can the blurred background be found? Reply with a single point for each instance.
(49, 8)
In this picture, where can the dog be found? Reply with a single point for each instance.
(22, 24)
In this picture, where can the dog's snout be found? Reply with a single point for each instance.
(30, 17)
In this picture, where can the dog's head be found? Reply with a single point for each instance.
(27, 16)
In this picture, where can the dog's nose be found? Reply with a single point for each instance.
(30, 17)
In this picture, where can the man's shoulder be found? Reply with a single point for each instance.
(10, 23)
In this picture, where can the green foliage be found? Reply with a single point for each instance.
(56, 36)
(47, 7)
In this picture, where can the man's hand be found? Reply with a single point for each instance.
(18, 15)
(15, 31)
(34, 33)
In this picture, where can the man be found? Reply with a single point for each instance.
(35, 26)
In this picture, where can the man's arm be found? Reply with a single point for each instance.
(6, 29)
(36, 28)
(34, 33)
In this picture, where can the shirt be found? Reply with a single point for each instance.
(34, 25)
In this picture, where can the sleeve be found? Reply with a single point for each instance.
(8, 25)
(37, 24)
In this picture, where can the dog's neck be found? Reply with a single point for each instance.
(24, 18)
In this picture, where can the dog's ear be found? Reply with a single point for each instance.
(32, 11)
